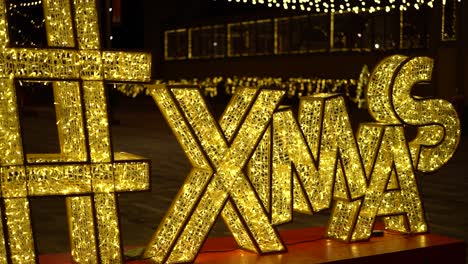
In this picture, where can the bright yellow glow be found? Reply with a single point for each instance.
(325, 122)
(332, 6)
(313, 181)
(222, 186)
(310, 164)
(437, 121)
(253, 167)
(379, 90)
(390, 101)
(47, 174)
(391, 157)
(388, 159)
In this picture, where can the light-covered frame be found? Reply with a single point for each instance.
(86, 171)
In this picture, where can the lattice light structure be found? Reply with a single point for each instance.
(258, 163)
(320, 152)
(341, 6)
(390, 162)
(390, 101)
(217, 184)
(85, 171)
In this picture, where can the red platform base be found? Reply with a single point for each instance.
(309, 246)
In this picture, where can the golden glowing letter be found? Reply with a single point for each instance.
(326, 126)
(217, 183)
(390, 101)
(392, 188)
(437, 121)
(259, 169)
(379, 90)
(70, 172)
(304, 165)
(290, 184)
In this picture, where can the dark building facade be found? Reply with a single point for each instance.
(207, 38)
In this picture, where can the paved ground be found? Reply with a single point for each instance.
(143, 131)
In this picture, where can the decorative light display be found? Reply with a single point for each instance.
(253, 167)
(217, 184)
(258, 164)
(336, 6)
(294, 87)
(85, 171)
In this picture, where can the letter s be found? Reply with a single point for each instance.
(438, 124)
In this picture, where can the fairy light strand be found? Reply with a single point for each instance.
(332, 6)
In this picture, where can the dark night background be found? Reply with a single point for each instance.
(139, 127)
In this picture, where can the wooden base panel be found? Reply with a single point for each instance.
(309, 246)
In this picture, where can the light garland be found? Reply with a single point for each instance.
(337, 6)
(24, 4)
(23, 37)
(354, 89)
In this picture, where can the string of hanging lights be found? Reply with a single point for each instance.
(29, 22)
(353, 89)
(344, 6)
(24, 4)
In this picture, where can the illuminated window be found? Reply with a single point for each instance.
(302, 34)
(415, 28)
(219, 41)
(365, 32)
(351, 31)
(386, 30)
(310, 33)
(208, 42)
(251, 38)
(235, 37)
(176, 44)
(264, 37)
(449, 20)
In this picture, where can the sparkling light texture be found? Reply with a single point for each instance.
(260, 162)
(71, 134)
(259, 169)
(379, 90)
(325, 122)
(437, 120)
(3, 252)
(289, 147)
(388, 159)
(392, 159)
(228, 191)
(20, 237)
(85, 164)
(332, 6)
(390, 101)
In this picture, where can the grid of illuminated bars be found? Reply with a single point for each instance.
(311, 33)
(85, 171)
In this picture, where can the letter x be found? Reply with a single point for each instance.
(216, 184)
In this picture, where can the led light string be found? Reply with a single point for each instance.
(296, 87)
(337, 6)
(24, 4)
(22, 10)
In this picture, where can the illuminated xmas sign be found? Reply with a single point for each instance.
(258, 163)
(253, 167)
